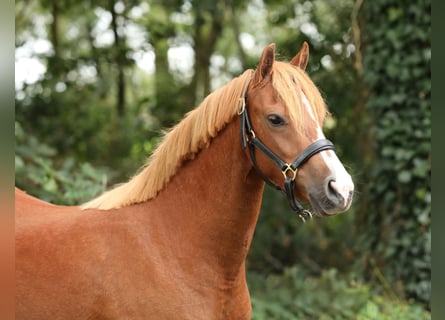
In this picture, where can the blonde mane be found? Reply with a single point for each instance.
(182, 142)
(202, 124)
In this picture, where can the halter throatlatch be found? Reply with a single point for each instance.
(289, 170)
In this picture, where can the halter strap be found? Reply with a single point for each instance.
(289, 171)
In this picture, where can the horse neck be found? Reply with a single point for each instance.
(213, 203)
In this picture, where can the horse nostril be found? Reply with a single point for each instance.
(334, 191)
(332, 186)
(337, 193)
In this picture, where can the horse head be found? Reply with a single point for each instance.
(282, 119)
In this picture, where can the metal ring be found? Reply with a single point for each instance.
(242, 106)
(304, 214)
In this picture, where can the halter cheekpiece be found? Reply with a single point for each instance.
(289, 170)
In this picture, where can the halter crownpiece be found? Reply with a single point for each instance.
(289, 170)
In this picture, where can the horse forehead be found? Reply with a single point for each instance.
(308, 107)
(286, 89)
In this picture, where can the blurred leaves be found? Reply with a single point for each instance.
(331, 296)
(66, 182)
(397, 223)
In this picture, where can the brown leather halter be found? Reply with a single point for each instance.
(289, 170)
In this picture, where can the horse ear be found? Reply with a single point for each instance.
(265, 65)
(302, 57)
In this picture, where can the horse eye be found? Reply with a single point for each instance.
(276, 120)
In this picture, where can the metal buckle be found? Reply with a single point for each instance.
(287, 170)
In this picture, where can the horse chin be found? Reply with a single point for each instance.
(322, 206)
(318, 211)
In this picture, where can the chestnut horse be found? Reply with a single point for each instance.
(171, 243)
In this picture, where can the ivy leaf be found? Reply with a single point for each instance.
(404, 176)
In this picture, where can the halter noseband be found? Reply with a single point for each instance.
(289, 171)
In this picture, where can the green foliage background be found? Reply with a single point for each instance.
(397, 218)
(94, 116)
